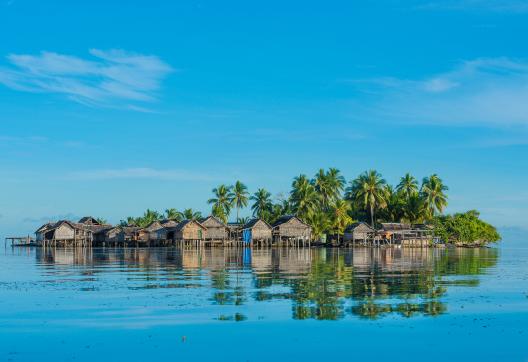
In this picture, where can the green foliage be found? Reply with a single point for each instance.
(222, 202)
(319, 201)
(262, 205)
(465, 228)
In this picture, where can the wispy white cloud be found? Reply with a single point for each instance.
(487, 91)
(113, 78)
(509, 6)
(140, 173)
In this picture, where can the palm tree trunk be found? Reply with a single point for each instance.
(237, 214)
(371, 215)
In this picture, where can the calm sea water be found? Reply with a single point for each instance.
(264, 305)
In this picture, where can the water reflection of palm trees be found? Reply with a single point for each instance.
(324, 284)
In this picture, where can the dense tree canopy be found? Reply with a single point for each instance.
(329, 205)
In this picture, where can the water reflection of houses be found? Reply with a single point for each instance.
(321, 283)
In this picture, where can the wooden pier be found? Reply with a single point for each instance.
(19, 241)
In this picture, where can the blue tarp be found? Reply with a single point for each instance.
(246, 236)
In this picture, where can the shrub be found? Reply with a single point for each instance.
(465, 228)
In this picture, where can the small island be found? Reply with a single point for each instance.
(321, 211)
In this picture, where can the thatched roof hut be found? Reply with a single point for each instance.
(216, 229)
(290, 227)
(256, 230)
(359, 231)
(187, 230)
(63, 231)
(88, 220)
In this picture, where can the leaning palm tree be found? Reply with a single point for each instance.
(408, 186)
(432, 191)
(239, 196)
(222, 200)
(369, 191)
(261, 204)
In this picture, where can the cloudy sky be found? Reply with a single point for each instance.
(107, 109)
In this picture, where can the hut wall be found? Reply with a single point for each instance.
(64, 232)
(294, 229)
(190, 231)
(216, 233)
(360, 232)
(40, 235)
(260, 231)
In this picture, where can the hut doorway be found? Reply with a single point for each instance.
(170, 235)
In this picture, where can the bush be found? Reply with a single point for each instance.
(465, 228)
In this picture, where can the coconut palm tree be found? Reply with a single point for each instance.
(369, 191)
(336, 183)
(395, 205)
(149, 217)
(261, 204)
(219, 212)
(339, 216)
(414, 210)
(320, 223)
(408, 186)
(243, 220)
(101, 221)
(239, 196)
(433, 194)
(190, 214)
(222, 200)
(303, 197)
(173, 214)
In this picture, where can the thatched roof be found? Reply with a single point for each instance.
(355, 225)
(212, 221)
(286, 218)
(251, 223)
(88, 220)
(394, 226)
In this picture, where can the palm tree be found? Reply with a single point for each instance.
(303, 196)
(414, 210)
(190, 214)
(101, 221)
(369, 190)
(262, 203)
(239, 196)
(435, 200)
(340, 218)
(222, 202)
(131, 221)
(408, 186)
(219, 213)
(173, 214)
(320, 223)
(395, 205)
(243, 220)
(149, 217)
(336, 183)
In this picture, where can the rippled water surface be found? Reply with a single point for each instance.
(261, 305)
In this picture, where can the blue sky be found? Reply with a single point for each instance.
(108, 109)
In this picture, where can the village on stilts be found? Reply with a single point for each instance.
(320, 211)
(287, 231)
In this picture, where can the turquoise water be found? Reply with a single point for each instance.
(263, 305)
